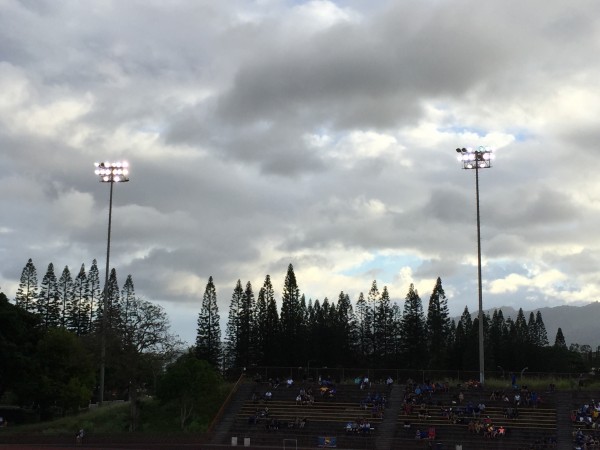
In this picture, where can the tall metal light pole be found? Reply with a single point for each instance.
(480, 158)
(109, 172)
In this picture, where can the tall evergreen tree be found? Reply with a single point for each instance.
(208, 338)
(438, 326)
(321, 332)
(497, 338)
(365, 327)
(346, 330)
(93, 288)
(383, 334)
(273, 347)
(559, 340)
(65, 294)
(397, 318)
(27, 292)
(464, 354)
(78, 314)
(303, 352)
(458, 346)
(266, 324)
(542, 334)
(48, 305)
(521, 329)
(112, 304)
(231, 353)
(413, 329)
(532, 331)
(260, 327)
(126, 301)
(246, 339)
(290, 320)
(372, 299)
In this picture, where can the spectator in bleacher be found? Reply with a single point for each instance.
(389, 381)
(331, 393)
(517, 399)
(534, 399)
(469, 409)
(289, 382)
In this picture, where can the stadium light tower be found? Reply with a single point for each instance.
(109, 172)
(479, 158)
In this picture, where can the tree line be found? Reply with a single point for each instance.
(372, 332)
(369, 331)
(52, 336)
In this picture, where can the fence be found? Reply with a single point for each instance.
(348, 375)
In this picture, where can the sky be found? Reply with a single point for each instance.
(317, 133)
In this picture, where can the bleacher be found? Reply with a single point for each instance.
(532, 424)
(328, 417)
(585, 427)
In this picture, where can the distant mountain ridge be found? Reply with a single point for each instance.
(580, 324)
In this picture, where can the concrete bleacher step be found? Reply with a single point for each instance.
(223, 428)
(387, 428)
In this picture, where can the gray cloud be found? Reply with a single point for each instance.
(315, 133)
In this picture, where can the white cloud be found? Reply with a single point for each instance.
(318, 133)
(540, 280)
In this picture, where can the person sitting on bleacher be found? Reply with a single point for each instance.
(471, 426)
(364, 427)
(469, 409)
(517, 399)
(331, 393)
(421, 434)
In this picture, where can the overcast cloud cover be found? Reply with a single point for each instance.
(318, 133)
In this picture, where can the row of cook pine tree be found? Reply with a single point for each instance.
(372, 332)
(76, 303)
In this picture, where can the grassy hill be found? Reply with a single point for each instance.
(115, 419)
